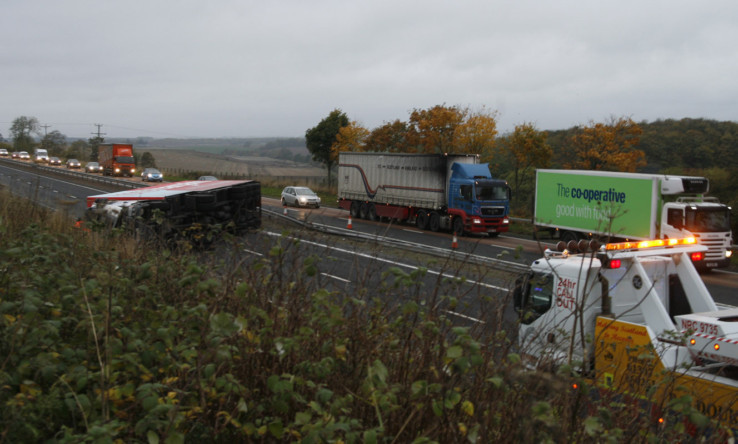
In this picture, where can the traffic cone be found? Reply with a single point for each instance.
(349, 226)
(285, 210)
(455, 242)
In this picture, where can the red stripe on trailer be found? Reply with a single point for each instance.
(162, 191)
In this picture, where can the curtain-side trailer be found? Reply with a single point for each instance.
(436, 191)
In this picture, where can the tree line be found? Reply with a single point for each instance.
(698, 147)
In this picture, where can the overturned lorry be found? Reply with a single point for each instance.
(189, 209)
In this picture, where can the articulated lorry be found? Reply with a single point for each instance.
(117, 159)
(576, 204)
(636, 318)
(438, 191)
(191, 209)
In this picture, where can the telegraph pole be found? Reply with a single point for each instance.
(45, 127)
(99, 134)
(96, 141)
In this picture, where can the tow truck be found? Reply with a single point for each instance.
(634, 317)
(189, 209)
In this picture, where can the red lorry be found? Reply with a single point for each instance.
(117, 159)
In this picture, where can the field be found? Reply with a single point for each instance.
(226, 166)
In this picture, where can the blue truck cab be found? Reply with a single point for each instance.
(477, 202)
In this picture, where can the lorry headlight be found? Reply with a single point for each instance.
(133, 170)
(728, 253)
(505, 221)
(476, 220)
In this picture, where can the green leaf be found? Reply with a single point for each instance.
(152, 437)
(454, 352)
(175, 438)
(370, 437)
(302, 418)
(496, 381)
(592, 426)
(276, 429)
(437, 407)
(452, 398)
(418, 388)
(379, 371)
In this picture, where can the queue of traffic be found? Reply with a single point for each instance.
(41, 156)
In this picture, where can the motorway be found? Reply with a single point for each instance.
(489, 264)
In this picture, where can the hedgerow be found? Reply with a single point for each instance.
(103, 339)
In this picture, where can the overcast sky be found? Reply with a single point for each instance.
(180, 68)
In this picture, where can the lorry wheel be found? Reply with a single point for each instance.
(355, 209)
(421, 220)
(458, 226)
(364, 210)
(435, 221)
(372, 213)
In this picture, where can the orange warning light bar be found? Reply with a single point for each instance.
(650, 244)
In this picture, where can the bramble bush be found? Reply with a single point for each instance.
(103, 339)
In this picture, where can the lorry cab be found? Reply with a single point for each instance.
(475, 196)
(645, 282)
(707, 220)
(552, 300)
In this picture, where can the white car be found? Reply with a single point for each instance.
(300, 197)
(4, 152)
(23, 155)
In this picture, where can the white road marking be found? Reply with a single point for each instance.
(388, 261)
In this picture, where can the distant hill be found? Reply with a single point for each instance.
(673, 144)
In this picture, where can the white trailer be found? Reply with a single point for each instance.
(437, 191)
(578, 204)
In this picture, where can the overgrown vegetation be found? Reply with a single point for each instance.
(102, 341)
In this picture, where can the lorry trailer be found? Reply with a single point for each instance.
(578, 204)
(179, 209)
(437, 191)
(634, 317)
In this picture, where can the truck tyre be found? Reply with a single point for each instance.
(355, 209)
(458, 226)
(364, 210)
(421, 220)
(435, 221)
(372, 213)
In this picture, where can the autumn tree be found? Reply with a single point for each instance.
(525, 149)
(390, 137)
(54, 142)
(476, 134)
(320, 139)
(93, 145)
(79, 149)
(607, 146)
(351, 137)
(432, 130)
(147, 161)
(21, 130)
